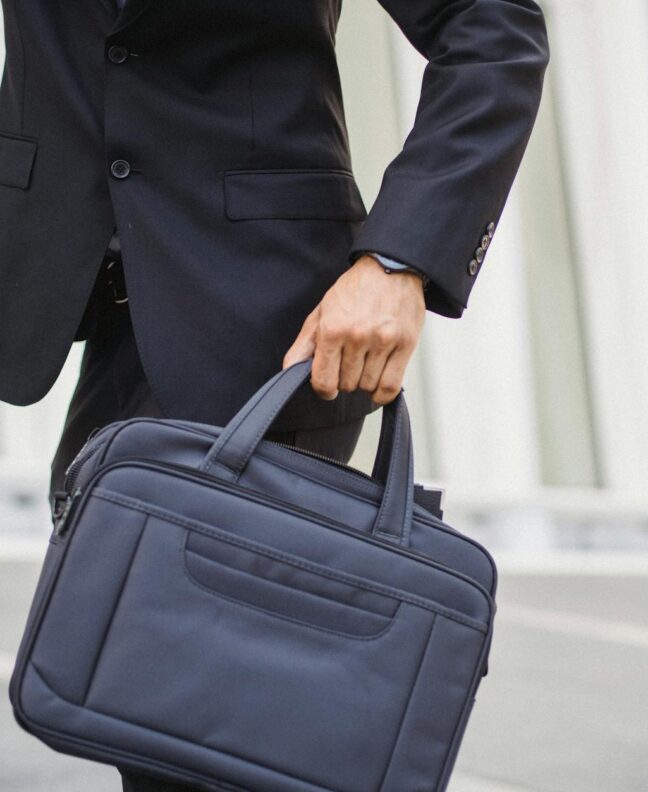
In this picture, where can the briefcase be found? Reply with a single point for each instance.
(218, 609)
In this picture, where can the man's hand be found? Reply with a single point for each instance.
(363, 332)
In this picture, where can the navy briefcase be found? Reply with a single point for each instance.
(221, 610)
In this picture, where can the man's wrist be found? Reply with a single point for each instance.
(391, 265)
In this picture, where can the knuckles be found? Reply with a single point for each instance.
(386, 336)
(364, 335)
(323, 388)
(384, 395)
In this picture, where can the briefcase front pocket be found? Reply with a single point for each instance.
(268, 581)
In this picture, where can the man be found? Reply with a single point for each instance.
(176, 188)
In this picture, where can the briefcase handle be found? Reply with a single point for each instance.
(394, 464)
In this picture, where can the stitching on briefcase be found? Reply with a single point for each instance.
(202, 528)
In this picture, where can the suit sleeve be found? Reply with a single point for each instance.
(480, 94)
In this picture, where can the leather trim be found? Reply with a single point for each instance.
(292, 194)
(17, 155)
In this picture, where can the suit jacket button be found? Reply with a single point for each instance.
(117, 53)
(120, 169)
(479, 255)
(473, 266)
(490, 228)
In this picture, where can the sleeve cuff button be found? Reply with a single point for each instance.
(473, 266)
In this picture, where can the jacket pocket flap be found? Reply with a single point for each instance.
(16, 160)
(317, 194)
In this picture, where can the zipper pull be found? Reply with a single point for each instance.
(61, 509)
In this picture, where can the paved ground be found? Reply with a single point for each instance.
(564, 708)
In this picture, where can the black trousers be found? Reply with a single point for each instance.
(112, 386)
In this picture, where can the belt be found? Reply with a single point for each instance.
(109, 289)
(113, 275)
(112, 272)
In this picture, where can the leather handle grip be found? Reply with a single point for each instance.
(235, 445)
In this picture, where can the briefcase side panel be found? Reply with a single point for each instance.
(435, 721)
(80, 609)
(48, 572)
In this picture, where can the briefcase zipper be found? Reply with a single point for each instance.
(62, 513)
(83, 456)
(324, 458)
(73, 471)
(61, 507)
(80, 459)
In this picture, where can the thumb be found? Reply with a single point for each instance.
(303, 347)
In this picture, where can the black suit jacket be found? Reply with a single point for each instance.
(213, 135)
